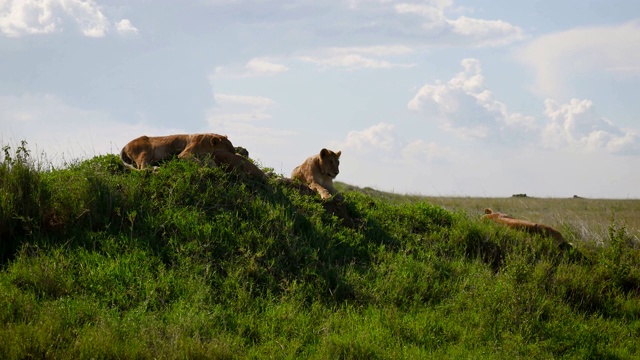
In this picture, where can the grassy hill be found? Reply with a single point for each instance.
(97, 261)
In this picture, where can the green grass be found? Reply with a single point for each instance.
(97, 261)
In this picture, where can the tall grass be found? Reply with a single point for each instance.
(193, 262)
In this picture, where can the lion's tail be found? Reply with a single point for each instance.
(126, 160)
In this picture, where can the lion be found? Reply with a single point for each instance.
(147, 150)
(318, 172)
(528, 226)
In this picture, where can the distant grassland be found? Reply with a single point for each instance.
(579, 219)
(192, 262)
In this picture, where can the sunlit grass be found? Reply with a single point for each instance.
(189, 262)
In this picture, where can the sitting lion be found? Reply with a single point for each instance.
(146, 150)
(318, 172)
(528, 226)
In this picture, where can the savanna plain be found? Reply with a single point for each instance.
(188, 261)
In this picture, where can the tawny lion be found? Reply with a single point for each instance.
(528, 226)
(147, 150)
(318, 172)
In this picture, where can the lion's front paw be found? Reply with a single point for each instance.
(325, 195)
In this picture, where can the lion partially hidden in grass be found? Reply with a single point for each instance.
(147, 150)
(528, 226)
(318, 172)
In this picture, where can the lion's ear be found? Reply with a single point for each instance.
(214, 140)
(324, 153)
(488, 211)
(338, 153)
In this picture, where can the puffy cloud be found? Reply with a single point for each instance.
(24, 17)
(380, 136)
(559, 57)
(28, 17)
(578, 125)
(87, 14)
(253, 68)
(465, 107)
(386, 142)
(125, 27)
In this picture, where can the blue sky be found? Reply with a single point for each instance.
(441, 97)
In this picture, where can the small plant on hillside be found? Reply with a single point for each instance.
(22, 196)
(621, 258)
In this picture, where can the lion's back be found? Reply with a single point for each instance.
(305, 170)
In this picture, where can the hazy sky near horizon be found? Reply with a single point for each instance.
(437, 97)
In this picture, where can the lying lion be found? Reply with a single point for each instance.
(146, 150)
(318, 172)
(528, 226)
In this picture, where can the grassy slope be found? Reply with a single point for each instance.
(191, 262)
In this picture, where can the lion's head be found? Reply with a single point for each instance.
(330, 162)
(221, 142)
(209, 143)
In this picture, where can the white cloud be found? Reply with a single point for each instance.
(265, 67)
(386, 142)
(125, 27)
(353, 58)
(29, 17)
(486, 32)
(462, 30)
(24, 17)
(577, 125)
(557, 58)
(380, 136)
(432, 12)
(465, 107)
(424, 22)
(379, 156)
(87, 14)
(253, 68)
